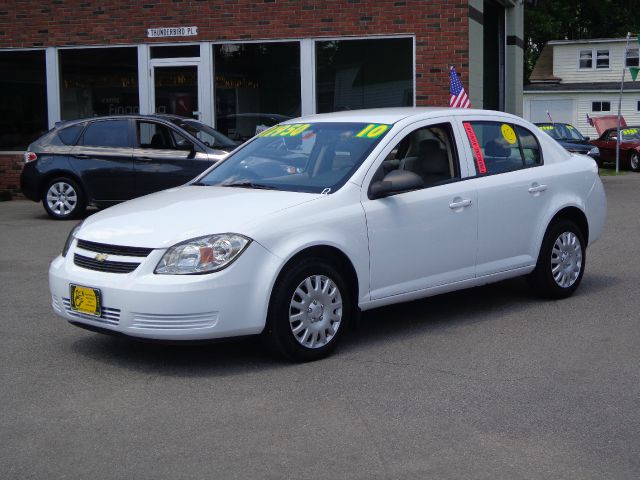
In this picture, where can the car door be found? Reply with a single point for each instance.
(425, 237)
(103, 159)
(514, 192)
(607, 146)
(164, 158)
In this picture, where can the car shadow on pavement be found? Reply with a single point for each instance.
(442, 314)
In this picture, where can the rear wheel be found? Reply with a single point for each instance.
(634, 162)
(561, 261)
(309, 311)
(63, 199)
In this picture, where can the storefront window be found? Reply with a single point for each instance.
(352, 74)
(23, 98)
(98, 81)
(257, 85)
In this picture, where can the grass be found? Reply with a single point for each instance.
(610, 172)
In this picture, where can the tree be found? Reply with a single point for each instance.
(574, 20)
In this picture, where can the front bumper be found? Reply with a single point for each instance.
(227, 303)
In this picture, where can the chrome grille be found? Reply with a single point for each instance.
(104, 266)
(114, 249)
(109, 316)
(174, 321)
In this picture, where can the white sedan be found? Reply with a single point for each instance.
(324, 216)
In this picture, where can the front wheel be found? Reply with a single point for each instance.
(561, 261)
(63, 199)
(634, 162)
(309, 311)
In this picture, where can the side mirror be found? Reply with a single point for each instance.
(614, 139)
(586, 139)
(397, 181)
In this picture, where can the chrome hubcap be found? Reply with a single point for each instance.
(566, 259)
(315, 311)
(62, 198)
(635, 161)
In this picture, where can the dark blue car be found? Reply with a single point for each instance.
(106, 160)
(570, 138)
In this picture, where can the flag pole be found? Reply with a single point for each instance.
(624, 68)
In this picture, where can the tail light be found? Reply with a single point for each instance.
(29, 157)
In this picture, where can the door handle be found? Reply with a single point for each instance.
(537, 188)
(459, 203)
(81, 155)
(144, 159)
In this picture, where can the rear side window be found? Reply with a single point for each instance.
(69, 135)
(108, 133)
(501, 147)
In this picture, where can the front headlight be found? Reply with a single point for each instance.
(594, 151)
(70, 237)
(202, 254)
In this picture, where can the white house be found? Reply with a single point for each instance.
(573, 78)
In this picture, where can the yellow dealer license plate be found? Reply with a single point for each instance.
(85, 300)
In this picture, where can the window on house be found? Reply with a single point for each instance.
(586, 59)
(632, 57)
(638, 106)
(602, 59)
(600, 106)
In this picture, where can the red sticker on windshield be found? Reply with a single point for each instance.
(475, 146)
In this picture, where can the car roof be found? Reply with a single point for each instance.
(155, 116)
(393, 115)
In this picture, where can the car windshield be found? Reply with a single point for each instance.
(631, 133)
(207, 135)
(561, 131)
(299, 157)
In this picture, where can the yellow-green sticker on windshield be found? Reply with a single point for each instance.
(508, 134)
(292, 130)
(546, 127)
(373, 130)
(629, 131)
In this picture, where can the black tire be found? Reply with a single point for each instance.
(279, 335)
(634, 162)
(542, 278)
(69, 193)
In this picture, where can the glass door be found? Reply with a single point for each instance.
(175, 90)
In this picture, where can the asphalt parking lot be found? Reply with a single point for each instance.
(487, 383)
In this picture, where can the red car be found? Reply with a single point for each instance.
(606, 143)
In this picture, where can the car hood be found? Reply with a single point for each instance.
(575, 144)
(605, 122)
(163, 219)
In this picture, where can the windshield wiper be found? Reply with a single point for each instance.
(259, 186)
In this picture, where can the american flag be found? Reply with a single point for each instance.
(459, 98)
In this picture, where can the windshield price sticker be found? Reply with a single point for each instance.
(372, 130)
(475, 146)
(286, 130)
(546, 127)
(629, 131)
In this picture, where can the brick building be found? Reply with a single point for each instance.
(243, 64)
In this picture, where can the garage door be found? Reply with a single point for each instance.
(561, 111)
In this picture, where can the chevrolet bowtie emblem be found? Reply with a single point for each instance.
(101, 257)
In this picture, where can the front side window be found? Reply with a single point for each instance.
(159, 137)
(107, 133)
(602, 58)
(428, 152)
(315, 158)
(501, 147)
(585, 59)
